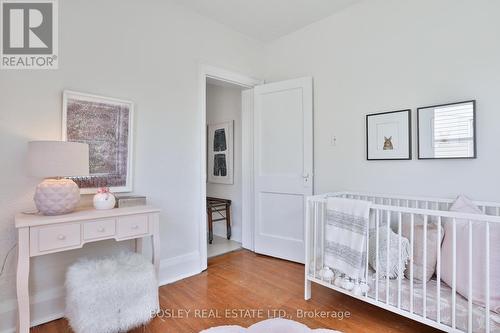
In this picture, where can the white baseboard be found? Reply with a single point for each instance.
(45, 306)
(49, 304)
(180, 267)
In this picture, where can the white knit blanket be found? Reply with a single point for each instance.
(345, 236)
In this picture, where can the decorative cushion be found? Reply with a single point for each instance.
(464, 205)
(111, 295)
(418, 246)
(392, 246)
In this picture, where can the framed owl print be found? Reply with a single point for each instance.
(388, 136)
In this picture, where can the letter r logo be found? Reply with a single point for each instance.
(27, 27)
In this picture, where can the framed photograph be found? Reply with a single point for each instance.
(220, 153)
(447, 131)
(388, 136)
(106, 124)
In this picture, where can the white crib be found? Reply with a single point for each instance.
(430, 302)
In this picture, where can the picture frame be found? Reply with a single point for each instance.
(106, 124)
(388, 136)
(447, 131)
(220, 155)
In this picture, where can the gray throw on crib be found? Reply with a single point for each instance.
(346, 230)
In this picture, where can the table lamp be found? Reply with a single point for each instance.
(53, 160)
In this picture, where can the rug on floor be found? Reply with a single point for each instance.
(275, 325)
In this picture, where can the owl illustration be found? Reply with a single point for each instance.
(388, 143)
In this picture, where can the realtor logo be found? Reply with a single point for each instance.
(29, 34)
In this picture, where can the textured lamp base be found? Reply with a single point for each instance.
(57, 196)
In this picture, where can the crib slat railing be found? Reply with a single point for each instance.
(367, 254)
(438, 272)
(399, 259)
(487, 278)
(377, 264)
(424, 264)
(469, 312)
(317, 215)
(315, 238)
(412, 224)
(308, 244)
(322, 234)
(454, 276)
(388, 239)
(445, 202)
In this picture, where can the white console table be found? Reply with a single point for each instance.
(40, 235)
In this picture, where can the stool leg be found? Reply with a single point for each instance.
(210, 227)
(228, 220)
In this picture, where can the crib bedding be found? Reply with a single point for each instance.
(478, 312)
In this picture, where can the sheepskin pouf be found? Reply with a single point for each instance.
(110, 295)
(275, 325)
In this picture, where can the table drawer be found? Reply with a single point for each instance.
(57, 237)
(133, 225)
(98, 229)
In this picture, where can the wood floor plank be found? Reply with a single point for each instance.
(252, 287)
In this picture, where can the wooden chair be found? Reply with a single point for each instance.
(221, 207)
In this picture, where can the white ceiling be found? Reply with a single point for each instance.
(266, 20)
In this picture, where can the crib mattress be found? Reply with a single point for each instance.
(478, 312)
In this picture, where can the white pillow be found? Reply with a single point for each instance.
(418, 246)
(464, 205)
(393, 252)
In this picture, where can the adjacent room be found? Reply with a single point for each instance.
(224, 170)
(264, 166)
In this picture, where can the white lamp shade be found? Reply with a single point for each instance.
(58, 159)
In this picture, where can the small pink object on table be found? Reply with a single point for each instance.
(104, 199)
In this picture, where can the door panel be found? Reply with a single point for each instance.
(283, 160)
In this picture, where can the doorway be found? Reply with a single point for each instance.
(276, 164)
(213, 79)
(224, 166)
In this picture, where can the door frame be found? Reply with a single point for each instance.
(208, 71)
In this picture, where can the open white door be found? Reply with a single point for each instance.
(283, 166)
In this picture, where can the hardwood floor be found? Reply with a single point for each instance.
(257, 284)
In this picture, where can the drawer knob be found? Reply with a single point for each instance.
(135, 226)
(101, 229)
(61, 237)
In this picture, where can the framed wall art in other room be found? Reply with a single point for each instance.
(388, 136)
(220, 153)
(447, 131)
(106, 125)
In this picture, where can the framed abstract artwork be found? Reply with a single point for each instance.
(106, 125)
(388, 136)
(447, 131)
(220, 153)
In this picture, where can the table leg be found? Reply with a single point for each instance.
(156, 244)
(210, 227)
(228, 220)
(23, 270)
(139, 245)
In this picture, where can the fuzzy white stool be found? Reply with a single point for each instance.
(111, 295)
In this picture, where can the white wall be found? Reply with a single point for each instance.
(147, 52)
(383, 55)
(224, 104)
